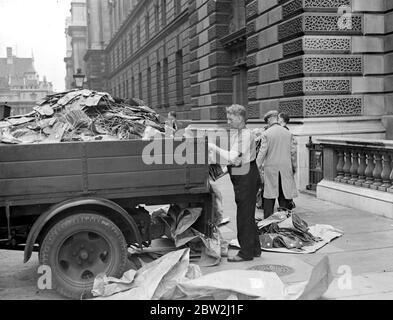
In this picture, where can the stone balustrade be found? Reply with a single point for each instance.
(359, 162)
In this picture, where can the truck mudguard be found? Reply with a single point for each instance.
(74, 203)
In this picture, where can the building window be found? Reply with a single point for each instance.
(177, 4)
(163, 13)
(140, 86)
(159, 88)
(166, 84)
(149, 98)
(125, 50)
(131, 39)
(118, 56)
(138, 36)
(147, 27)
(127, 89)
(156, 17)
(179, 78)
(238, 15)
(133, 87)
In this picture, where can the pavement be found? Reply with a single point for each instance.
(361, 260)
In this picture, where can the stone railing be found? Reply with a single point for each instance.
(359, 162)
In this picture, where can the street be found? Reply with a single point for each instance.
(365, 252)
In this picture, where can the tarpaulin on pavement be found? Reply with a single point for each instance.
(156, 280)
(172, 277)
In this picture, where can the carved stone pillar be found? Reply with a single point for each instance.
(386, 171)
(340, 165)
(369, 170)
(347, 166)
(354, 167)
(361, 169)
(377, 171)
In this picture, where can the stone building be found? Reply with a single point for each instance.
(76, 37)
(328, 63)
(20, 85)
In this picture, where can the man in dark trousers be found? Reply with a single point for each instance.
(277, 156)
(283, 120)
(244, 176)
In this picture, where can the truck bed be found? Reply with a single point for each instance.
(49, 173)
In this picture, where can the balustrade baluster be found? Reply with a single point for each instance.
(340, 165)
(354, 167)
(385, 175)
(361, 169)
(391, 176)
(377, 171)
(369, 170)
(347, 166)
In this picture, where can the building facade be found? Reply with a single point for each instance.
(76, 37)
(328, 63)
(20, 85)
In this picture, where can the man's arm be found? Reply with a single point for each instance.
(222, 156)
(262, 153)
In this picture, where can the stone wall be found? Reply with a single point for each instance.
(305, 59)
(148, 57)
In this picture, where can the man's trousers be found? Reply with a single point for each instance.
(246, 188)
(268, 204)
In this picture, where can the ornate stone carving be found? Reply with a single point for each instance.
(317, 44)
(317, 23)
(252, 43)
(321, 64)
(252, 9)
(327, 85)
(345, 106)
(252, 76)
(317, 86)
(329, 23)
(297, 6)
(293, 47)
(333, 64)
(322, 106)
(290, 68)
(293, 88)
(342, 44)
(294, 108)
(253, 111)
(291, 8)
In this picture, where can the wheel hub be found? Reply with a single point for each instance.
(83, 256)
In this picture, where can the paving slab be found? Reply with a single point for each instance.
(368, 284)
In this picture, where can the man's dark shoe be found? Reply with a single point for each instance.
(257, 255)
(238, 259)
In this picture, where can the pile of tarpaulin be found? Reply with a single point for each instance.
(179, 226)
(81, 115)
(286, 232)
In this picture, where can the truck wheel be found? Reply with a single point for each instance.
(80, 247)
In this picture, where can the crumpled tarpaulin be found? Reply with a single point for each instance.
(172, 277)
(154, 281)
(179, 228)
(286, 232)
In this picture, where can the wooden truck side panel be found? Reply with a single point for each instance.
(112, 169)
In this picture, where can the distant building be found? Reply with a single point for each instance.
(20, 85)
(76, 37)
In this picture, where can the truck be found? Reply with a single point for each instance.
(77, 203)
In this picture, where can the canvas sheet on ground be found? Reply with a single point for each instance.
(327, 234)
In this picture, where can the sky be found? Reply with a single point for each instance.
(38, 27)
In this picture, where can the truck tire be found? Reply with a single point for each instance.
(80, 247)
